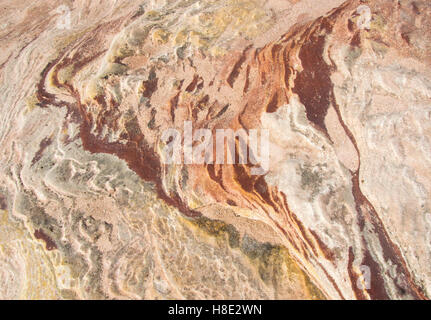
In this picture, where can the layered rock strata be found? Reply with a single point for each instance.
(91, 209)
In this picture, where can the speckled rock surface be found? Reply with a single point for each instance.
(90, 209)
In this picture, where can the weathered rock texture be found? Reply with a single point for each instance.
(89, 210)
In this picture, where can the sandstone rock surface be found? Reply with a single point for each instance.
(89, 209)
